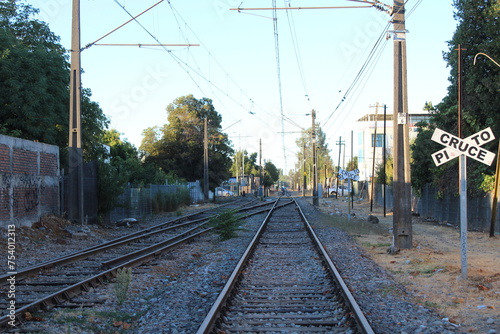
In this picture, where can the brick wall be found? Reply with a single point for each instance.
(29, 181)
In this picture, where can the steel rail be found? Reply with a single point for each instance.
(214, 314)
(361, 320)
(85, 253)
(224, 295)
(132, 260)
(75, 289)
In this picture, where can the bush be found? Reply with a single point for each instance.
(123, 278)
(226, 224)
(169, 202)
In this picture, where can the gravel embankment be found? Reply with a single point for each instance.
(173, 294)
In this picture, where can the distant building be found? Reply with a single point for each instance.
(365, 130)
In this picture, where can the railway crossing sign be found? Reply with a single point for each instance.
(463, 148)
(469, 146)
(353, 174)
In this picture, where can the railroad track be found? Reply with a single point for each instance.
(285, 283)
(60, 280)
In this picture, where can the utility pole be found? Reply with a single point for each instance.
(339, 143)
(205, 158)
(315, 162)
(403, 236)
(354, 167)
(75, 152)
(374, 144)
(304, 186)
(261, 182)
(384, 157)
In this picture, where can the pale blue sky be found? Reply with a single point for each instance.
(134, 85)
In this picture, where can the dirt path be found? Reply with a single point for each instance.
(431, 269)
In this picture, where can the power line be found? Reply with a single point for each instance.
(278, 68)
(361, 71)
(188, 68)
(293, 33)
(366, 65)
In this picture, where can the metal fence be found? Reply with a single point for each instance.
(138, 202)
(446, 207)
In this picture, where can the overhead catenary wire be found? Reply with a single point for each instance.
(366, 64)
(190, 69)
(219, 65)
(359, 75)
(278, 70)
(295, 43)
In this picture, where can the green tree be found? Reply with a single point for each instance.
(249, 164)
(478, 30)
(34, 95)
(124, 157)
(180, 148)
(35, 77)
(324, 160)
(272, 174)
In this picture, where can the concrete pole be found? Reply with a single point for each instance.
(401, 179)
(315, 164)
(75, 152)
(205, 159)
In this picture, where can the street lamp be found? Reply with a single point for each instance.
(497, 170)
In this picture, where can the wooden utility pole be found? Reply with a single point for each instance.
(374, 144)
(339, 143)
(75, 152)
(261, 182)
(304, 185)
(384, 157)
(402, 228)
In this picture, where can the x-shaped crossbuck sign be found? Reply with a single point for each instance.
(469, 146)
(353, 174)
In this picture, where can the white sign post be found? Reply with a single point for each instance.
(468, 147)
(349, 175)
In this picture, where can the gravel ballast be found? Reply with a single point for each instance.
(173, 294)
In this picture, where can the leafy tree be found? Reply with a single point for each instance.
(478, 31)
(180, 148)
(386, 178)
(34, 95)
(35, 77)
(305, 153)
(272, 174)
(121, 167)
(249, 162)
(124, 157)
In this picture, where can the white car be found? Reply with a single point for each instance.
(333, 190)
(219, 191)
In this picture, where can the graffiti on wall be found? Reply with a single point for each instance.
(23, 191)
(30, 197)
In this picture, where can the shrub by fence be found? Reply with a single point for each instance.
(143, 202)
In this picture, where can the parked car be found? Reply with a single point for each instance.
(219, 191)
(333, 190)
